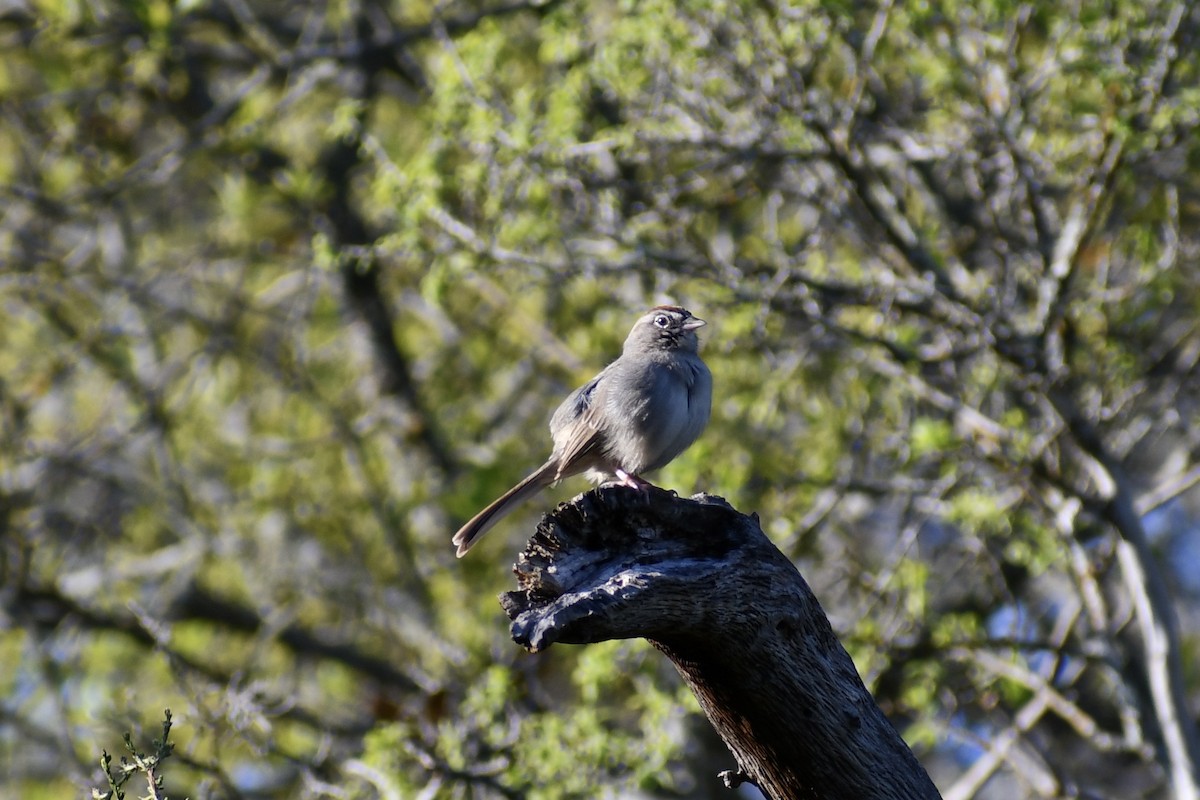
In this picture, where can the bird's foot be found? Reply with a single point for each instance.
(632, 481)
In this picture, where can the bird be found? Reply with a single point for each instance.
(637, 415)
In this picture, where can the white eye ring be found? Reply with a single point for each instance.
(662, 321)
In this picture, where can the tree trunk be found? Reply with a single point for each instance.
(708, 589)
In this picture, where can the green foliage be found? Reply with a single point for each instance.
(289, 291)
(494, 742)
(932, 436)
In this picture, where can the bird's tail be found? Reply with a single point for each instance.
(482, 522)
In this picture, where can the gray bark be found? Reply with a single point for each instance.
(706, 587)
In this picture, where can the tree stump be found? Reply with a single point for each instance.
(706, 587)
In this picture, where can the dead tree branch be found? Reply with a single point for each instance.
(704, 584)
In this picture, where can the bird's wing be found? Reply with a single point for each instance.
(576, 428)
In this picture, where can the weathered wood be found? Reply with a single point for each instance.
(708, 589)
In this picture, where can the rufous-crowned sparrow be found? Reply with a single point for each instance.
(637, 415)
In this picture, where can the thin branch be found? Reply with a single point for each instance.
(1000, 749)
(1160, 639)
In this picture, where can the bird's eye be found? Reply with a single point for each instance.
(662, 321)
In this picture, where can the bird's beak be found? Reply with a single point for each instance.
(693, 323)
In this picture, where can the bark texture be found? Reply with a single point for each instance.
(705, 586)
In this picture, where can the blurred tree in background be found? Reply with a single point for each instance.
(289, 290)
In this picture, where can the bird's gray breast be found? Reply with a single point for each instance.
(655, 409)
